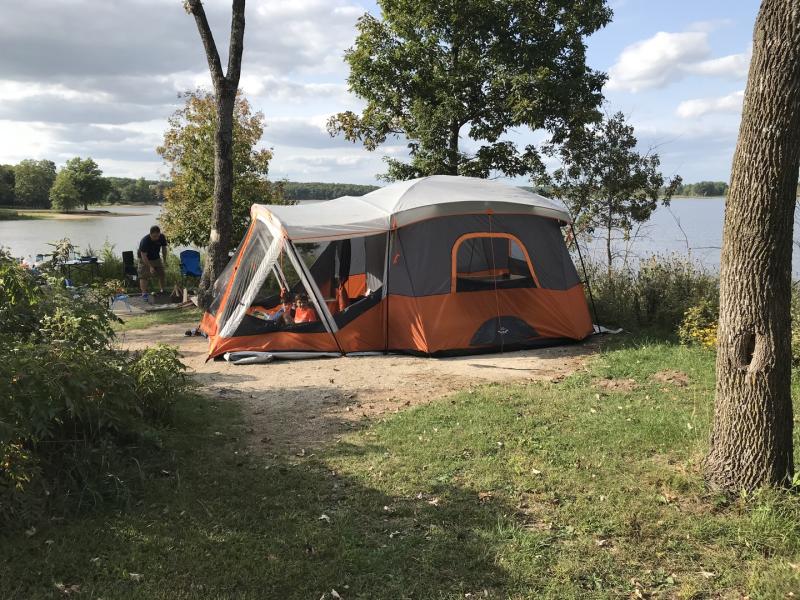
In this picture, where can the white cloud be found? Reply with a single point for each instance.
(734, 66)
(668, 57)
(732, 103)
(24, 140)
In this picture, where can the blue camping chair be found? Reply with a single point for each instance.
(190, 264)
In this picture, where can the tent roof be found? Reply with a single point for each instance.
(403, 203)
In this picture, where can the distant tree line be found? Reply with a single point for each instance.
(125, 190)
(702, 189)
(80, 182)
(294, 190)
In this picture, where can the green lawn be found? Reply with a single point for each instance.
(564, 490)
(190, 316)
(14, 215)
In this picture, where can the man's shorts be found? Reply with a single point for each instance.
(144, 270)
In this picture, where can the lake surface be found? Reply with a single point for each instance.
(691, 226)
(25, 239)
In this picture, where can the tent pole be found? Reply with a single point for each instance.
(386, 292)
(585, 278)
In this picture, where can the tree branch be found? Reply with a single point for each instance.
(236, 45)
(195, 8)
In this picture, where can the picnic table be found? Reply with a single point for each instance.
(83, 265)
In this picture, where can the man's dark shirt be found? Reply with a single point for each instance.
(151, 247)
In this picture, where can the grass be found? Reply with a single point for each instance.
(15, 215)
(163, 317)
(563, 490)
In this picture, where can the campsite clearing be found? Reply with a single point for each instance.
(290, 406)
(504, 491)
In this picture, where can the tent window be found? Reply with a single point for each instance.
(487, 261)
(349, 275)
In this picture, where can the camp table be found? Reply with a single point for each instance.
(80, 265)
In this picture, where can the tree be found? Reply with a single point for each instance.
(605, 182)
(751, 439)
(138, 192)
(65, 194)
(188, 149)
(7, 179)
(32, 182)
(87, 179)
(226, 85)
(432, 69)
(113, 195)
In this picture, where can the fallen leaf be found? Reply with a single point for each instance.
(708, 574)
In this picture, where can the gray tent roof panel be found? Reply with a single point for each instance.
(404, 203)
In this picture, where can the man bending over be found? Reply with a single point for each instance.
(150, 263)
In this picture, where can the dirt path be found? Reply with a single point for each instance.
(297, 405)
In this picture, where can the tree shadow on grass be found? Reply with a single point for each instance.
(216, 523)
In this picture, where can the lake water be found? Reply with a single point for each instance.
(691, 226)
(28, 238)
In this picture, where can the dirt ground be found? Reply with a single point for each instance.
(294, 406)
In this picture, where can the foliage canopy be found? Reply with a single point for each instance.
(431, 70)
(604, 181)
(33, 180)
(188, 149)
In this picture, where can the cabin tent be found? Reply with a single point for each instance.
(433, 266)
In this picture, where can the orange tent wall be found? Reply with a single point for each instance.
(429, 324)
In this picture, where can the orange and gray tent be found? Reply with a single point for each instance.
(435, 266)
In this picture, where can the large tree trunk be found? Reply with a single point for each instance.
(225, 88)
(222, 211)
(751, 441)
(452, 149)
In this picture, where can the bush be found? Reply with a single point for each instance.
(653, 295)
(699, 325)
(160, 379)
(73, 408)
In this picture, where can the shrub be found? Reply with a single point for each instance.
(73, 408)
(699, 325)
(654, 294)
(159, 378)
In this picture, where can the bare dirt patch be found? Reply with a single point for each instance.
(616, 385)
(677, 378)
(297, 405)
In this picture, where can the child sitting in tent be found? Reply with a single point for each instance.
(303, 312)
(285, 314)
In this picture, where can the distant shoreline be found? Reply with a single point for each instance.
(22, 214)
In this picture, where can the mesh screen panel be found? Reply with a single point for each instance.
(250, 268)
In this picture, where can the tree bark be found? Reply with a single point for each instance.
(609, 228)
(452, 149)
(225, 87)
(751, 439)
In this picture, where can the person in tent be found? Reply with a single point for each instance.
(285, 314)
(303, 311)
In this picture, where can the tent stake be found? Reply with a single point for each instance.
(585, 278)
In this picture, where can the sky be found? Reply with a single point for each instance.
(100, 78)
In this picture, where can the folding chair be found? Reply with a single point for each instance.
(190, 267)
(190, 264)
(129, 271)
